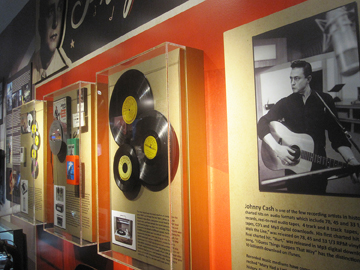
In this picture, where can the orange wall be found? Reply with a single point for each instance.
(200, 27)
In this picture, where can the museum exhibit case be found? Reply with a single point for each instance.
(25, 179)
(70, 178)
(144, 157)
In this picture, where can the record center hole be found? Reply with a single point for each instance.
(125, 167)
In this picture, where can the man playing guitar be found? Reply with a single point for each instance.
(305, 111)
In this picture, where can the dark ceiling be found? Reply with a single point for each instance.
(9, 10)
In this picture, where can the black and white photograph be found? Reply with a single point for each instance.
(15, 99)
(47, 59)
(9, 91)
(26, 92)
(308, 105)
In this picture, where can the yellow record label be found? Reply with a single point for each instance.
(129, 110)
(36, 140)
(150, 147)
(33, 128)
(33, 153)
(125, 171)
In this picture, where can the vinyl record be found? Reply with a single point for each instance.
(37, 140)
(33, 153)
(34, 168)
(131, 97)
(29, 121)
(56, 137)
(126, 168)
(34, 127)
(151, 144)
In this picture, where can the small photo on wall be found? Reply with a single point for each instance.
(24, 196)
(59, 206)
(123, 229)
(13, 178)
(26, 89)
(9, 92)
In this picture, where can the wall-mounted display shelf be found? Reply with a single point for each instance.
(150, 111)
(70, 177)
(26, 177)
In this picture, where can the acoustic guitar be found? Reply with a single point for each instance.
(304, 155)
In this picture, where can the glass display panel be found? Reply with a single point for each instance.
(70, 177)
(26, 176)
(142, 185)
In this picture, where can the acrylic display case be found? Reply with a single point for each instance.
(26, 176)
(70, 178)
(143, 156)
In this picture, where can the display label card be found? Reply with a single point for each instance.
(59, 206)
(24, 196)
(123, 229)
(77, 120)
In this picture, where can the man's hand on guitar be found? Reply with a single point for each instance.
(285, 154)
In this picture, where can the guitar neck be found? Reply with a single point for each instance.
(324, 161)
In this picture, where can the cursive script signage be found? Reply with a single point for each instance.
(91, 24)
